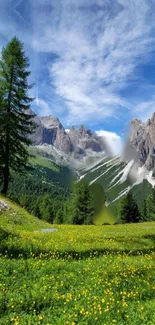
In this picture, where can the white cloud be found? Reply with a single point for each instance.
(97, 52)
(113, 140)
(43, 109)
(98, 45)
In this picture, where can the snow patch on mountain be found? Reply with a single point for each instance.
(143, 173)
(124, 172)
(122, 193)
(105, 172)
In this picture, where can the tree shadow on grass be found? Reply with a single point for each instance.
(14, 252)
(35, 252)
(4, 234)
(152, 237)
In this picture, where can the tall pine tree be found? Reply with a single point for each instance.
(81, 204)
(1, 137)
(144, 210)
(151, 204)
(15, 122)
(128, 210)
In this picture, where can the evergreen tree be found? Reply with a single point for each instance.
(128, 210)
(46, 208)
(151, 203)
(59, 217)
(1, 137)
(81, 205)
(16, 123)
(144, 210)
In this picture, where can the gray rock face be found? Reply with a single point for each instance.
(77, 141)
(3, 206)
(141, 143)
(83, 139)
(51, 131)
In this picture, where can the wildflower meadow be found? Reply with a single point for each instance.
(77, 275)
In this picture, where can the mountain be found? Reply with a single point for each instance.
(118, 178)
(56, 150)
(50, 131)
(83, 139)
(134, 170)
(141, 143)
(77, 143)
(91, 160)
(43, 188)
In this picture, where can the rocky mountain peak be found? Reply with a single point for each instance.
(51, 131)
(73, 130)
(50, 122)
(82, 130)
(141, 142)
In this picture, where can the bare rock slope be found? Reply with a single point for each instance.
(77, 141)
(141, 143)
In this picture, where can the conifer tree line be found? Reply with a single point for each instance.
(128, 210)
(15, 123)
(81, 205)
(84, 203)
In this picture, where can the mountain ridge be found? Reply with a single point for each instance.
(141, 143)
(77, 142)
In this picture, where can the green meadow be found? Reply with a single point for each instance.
(77, 275)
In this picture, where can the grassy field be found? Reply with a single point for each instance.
(78, 275)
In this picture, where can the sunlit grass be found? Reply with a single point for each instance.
(77, 275)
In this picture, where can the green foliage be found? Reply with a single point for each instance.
(41, 198)
(16, 219)
(15, 123)
(128, 209)
(108, 175)
(1, 136)
(81, 205)
(144, 210)
(60, 217)
(42, 190)
(38, 160)
(45, 207)
(151, 204)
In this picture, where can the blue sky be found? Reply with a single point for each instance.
(92, 61)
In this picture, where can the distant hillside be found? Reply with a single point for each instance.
(44, 188)
(15, 226)
(15, 219)
(117, 178)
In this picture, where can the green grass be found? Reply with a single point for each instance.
(16, 219)
(44, 162)
(77, 275)
(39, 157)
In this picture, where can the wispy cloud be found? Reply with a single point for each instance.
(42, 107)
(145, 109)
(84, 54)
(98, 45)
(113, 140)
